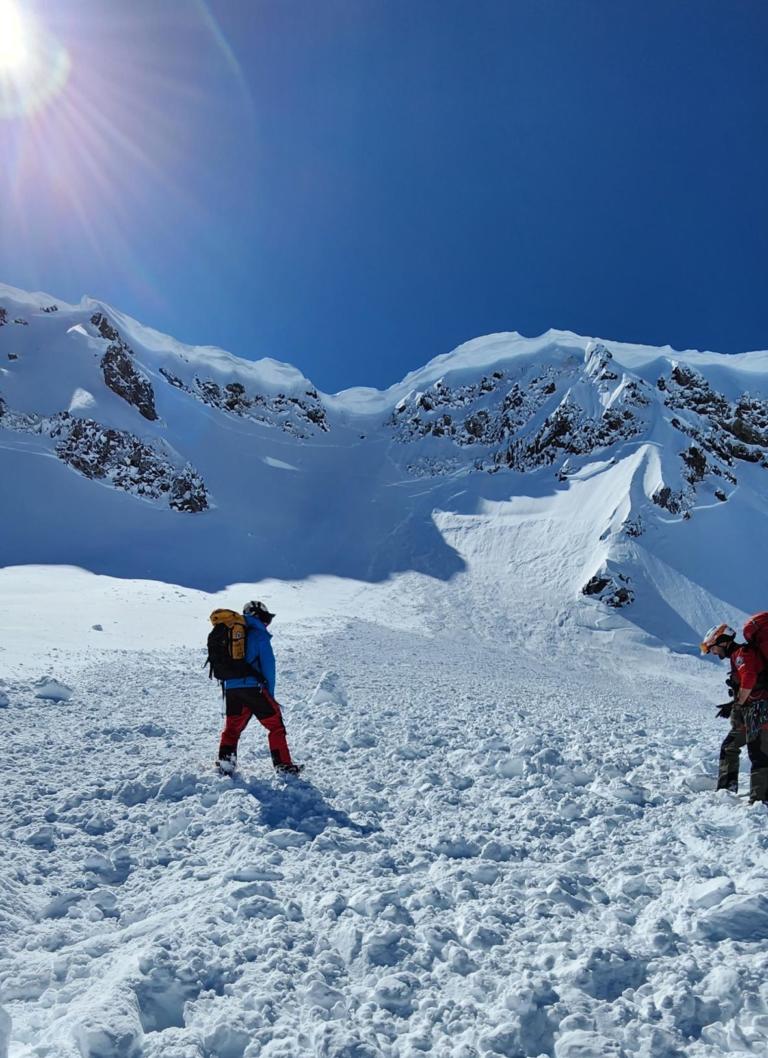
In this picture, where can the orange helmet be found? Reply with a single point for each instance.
(715, 635)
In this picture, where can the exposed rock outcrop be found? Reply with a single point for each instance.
(499, 408)
(120, 372)
(726, 431)
(504, 416)
(577, 409)
(129, 464)
(570, 430)
(612, 589)
(300, 416)
(115, 457)
(17, 319)
(104, 327)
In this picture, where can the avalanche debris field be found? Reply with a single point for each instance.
(490, 854)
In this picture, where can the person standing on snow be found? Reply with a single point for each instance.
(748, 713)
(249, 696)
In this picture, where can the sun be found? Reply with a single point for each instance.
(34, 66)
(14, 50)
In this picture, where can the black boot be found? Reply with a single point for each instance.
(226, 764)
(289, 769)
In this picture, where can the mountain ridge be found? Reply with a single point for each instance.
(749, 361)
(187, 464)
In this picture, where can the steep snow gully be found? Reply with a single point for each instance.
(494, 852)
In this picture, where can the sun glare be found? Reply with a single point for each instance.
(14, 53)
(33, 66)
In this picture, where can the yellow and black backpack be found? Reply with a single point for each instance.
(226, 647)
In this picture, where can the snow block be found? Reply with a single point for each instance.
(115, 1030)
(329, 691)
(736, 918)
(712, 892)
(52, 690)
(395, 993)
(318, 993)
(5, 1033)
(582, 1044)
(456, 848)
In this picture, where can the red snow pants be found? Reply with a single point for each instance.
(241, 704)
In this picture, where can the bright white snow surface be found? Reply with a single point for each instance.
(500, 845)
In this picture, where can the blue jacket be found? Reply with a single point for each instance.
(258, 652)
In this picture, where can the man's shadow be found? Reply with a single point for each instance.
(298, 805)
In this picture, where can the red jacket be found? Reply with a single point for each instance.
(746, 665)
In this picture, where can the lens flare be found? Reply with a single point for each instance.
(33, 67)
(13, 42)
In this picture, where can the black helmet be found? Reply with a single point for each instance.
(254, 608)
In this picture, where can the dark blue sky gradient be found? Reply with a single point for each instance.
(356, 186)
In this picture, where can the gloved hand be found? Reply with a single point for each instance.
(724, 709)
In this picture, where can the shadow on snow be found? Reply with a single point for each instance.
(299, 806)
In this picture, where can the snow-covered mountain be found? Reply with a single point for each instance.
(592, 476)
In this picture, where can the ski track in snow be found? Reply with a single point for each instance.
(490, 855)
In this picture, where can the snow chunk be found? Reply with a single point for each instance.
(395, 993)
(622, 790)
(712, 892)
(114, 1029)
(737, 918)
(329, 691)
(318, 993)
(499, 851)
(81, 400)
(52, 690)
(5, 1033)
(511, 768)
(42, 838)
(286, 839)
(456, 848)
(581, 1044)
(699, 779)
(178, 786)
(386, 904)
(278, 464)
(5, 701)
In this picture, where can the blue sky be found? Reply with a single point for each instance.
(356, 186)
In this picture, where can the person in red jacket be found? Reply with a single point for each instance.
(748, 711)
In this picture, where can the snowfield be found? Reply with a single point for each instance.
(498, 848)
